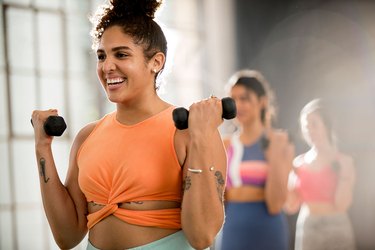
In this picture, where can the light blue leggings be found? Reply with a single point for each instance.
(173, 241)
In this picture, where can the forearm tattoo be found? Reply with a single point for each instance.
(42, 169)
(186, 184)
(220, 185)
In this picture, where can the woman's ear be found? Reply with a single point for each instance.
(266, 114)
(263, 102)
(157, 62)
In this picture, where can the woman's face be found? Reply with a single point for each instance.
(248, 104)
(122, 68)
(313, 129)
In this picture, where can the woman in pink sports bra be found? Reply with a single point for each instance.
(134, 181)
(321, 186)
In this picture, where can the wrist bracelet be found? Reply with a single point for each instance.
(198, 171)
(195, 171)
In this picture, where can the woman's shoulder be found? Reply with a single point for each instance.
(84, 133)
(345, 158)
(86, 130)
(81, 137)
(346, 161)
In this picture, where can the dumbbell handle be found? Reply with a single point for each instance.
(54, 125)
(181, 115)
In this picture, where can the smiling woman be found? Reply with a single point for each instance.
(121, 68)
(129, 181)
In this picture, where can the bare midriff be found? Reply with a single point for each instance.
(321, 208)
(113, 233)
(245, 194)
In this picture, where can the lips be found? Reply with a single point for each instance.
(115, 81)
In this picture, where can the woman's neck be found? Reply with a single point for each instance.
(134, 112)
(324, 152)
(251, 132)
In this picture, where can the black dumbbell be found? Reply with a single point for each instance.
(54, 125)
(181, 115)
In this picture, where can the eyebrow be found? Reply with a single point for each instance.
(115, 49)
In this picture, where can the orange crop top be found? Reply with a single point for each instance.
(119, 163)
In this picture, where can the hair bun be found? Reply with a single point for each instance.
(129, 8)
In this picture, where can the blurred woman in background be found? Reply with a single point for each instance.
(321, 186)
(259, 161)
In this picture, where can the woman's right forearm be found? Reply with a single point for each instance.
(59, 206)
(276, 188)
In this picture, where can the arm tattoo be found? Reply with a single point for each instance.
(186, 183)
(220, 185)
(42, 169)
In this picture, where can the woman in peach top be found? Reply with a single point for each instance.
(134, 181)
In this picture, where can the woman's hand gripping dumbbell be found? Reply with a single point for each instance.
(54, 125)
(181, 115)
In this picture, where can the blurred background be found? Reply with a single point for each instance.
(306, 49)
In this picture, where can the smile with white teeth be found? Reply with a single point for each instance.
(114, 81)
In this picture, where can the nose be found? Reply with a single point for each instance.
(108, 65)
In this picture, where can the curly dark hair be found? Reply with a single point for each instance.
(135, 17)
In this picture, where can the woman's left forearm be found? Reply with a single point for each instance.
(345, 184)
(344, 193)
(204, 183)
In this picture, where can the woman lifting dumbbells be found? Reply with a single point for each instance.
(134, 180)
